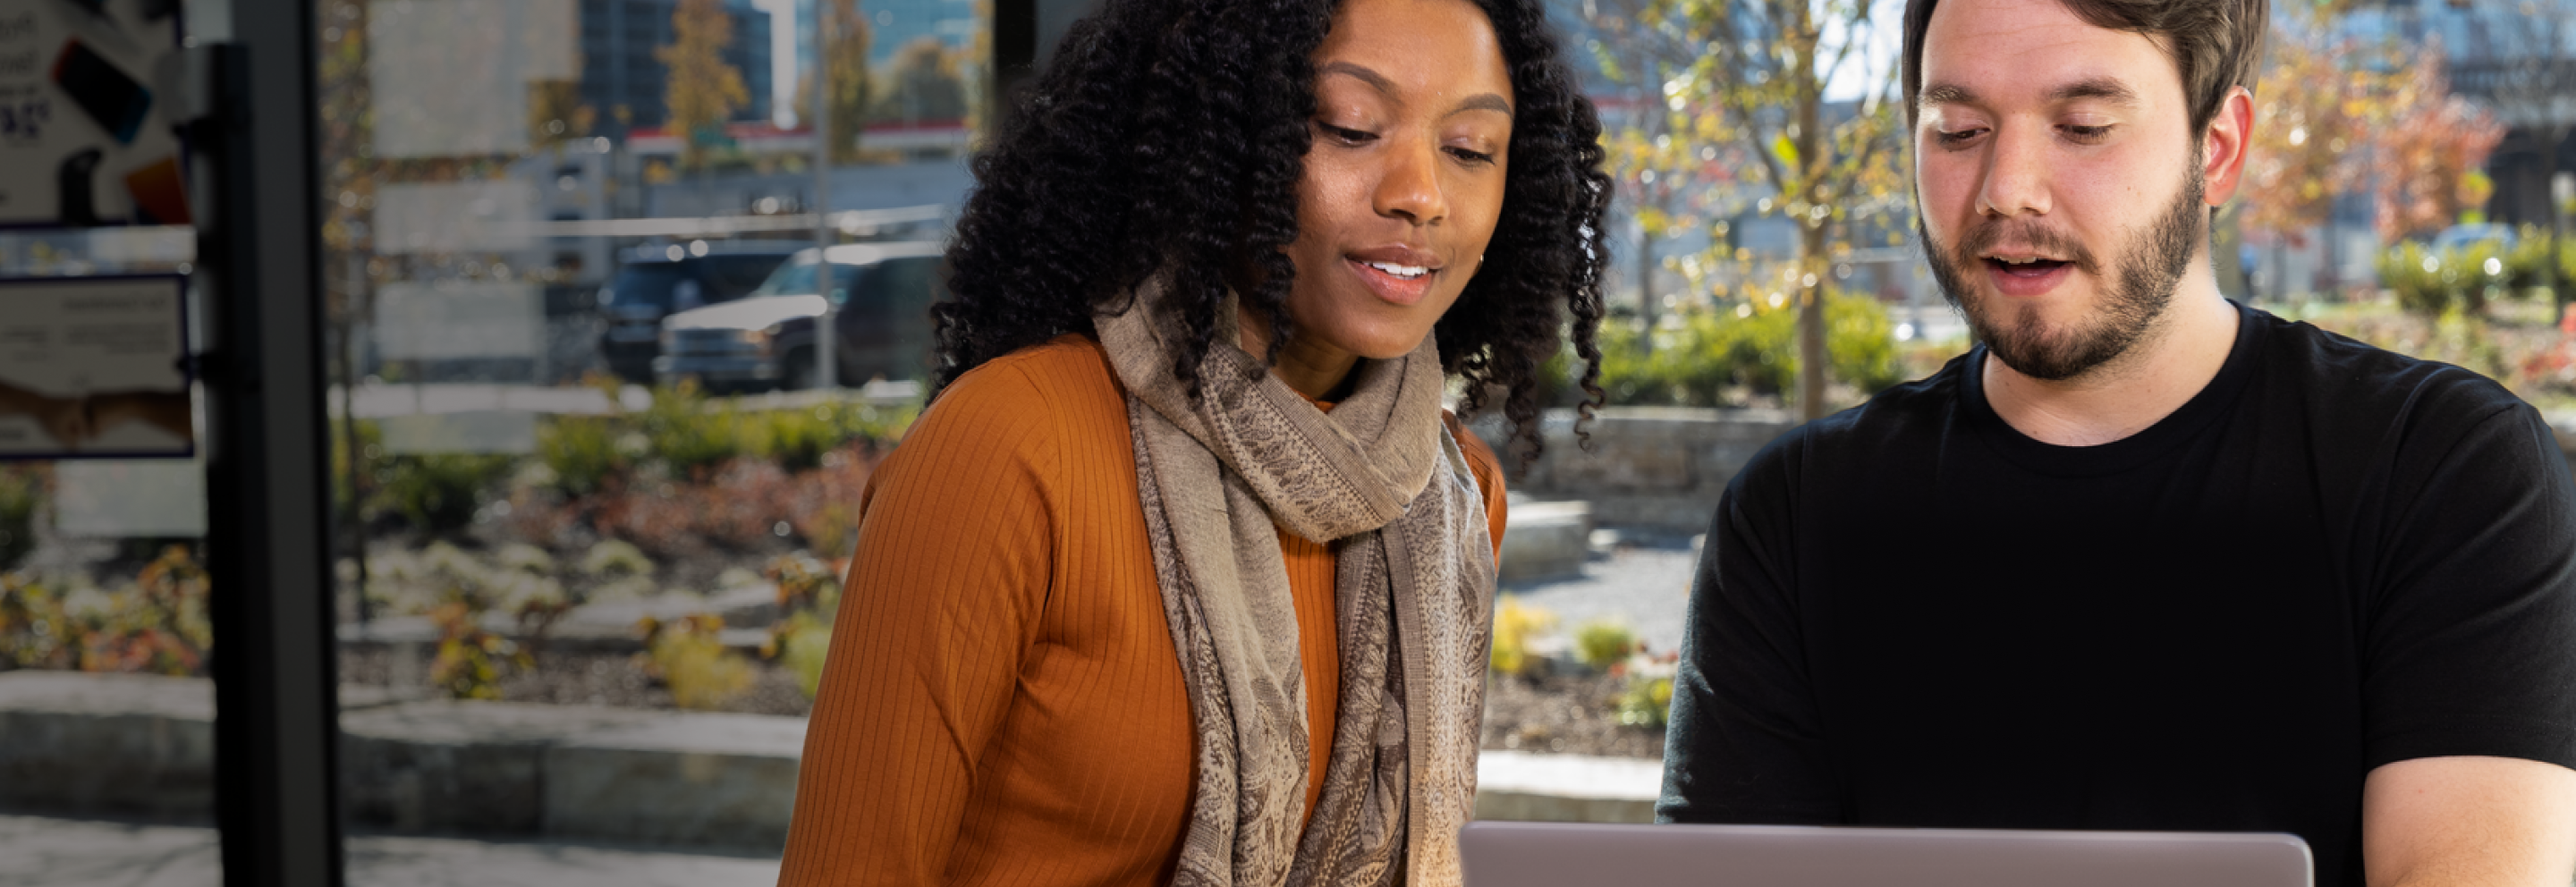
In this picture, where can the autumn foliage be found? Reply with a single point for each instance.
(2336, 116)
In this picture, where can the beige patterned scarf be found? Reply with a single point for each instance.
(1382, 480)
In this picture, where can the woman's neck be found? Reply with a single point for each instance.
(1308, 364)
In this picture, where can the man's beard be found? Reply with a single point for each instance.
(2150, 269)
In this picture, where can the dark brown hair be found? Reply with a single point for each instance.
(2217, 44)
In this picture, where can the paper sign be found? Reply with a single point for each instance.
(456, 319)
(85, 135)
(94, 367)
(452, 77)
(460, 217)
(130, 497)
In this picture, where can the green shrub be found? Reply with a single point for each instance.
(1604, 643)
(583, 452)
(438, 493)
(1647, 701)
(690, 439)
(689, 656)
(884, 425)
(470, 657)
(2415, 274)
(2567, 271)
(22, 490)
(795, 439)
(156, 625)
(802, 642)
(1515, 626)
(1748, 347)
(616, 559)
(2431, 282)
(36, 630)
(2526, 265)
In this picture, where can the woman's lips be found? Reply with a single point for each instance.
(2027, 280)
(1400, 291)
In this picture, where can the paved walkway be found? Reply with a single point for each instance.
(1646, 587)
(44, 852)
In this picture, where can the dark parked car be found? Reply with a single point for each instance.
(766, 339)
(654, 281)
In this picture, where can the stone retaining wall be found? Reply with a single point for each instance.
(1658, 468)
(141, 746)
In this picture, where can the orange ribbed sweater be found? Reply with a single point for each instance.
(1002, 703)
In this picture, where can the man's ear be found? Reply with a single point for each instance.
(2222, 148)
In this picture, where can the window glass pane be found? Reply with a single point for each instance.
(106, 710)
(599, 473)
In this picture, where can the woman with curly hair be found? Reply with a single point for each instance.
(1185, 576)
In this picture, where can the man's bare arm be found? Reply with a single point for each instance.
(2469, 822)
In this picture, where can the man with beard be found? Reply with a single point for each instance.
(2144, 559)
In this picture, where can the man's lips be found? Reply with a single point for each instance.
(2026, 279)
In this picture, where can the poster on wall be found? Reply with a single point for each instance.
(94, 367)
(85, 137)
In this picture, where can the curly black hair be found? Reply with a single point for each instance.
(1170, 135)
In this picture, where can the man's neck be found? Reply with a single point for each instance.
(2134, 391)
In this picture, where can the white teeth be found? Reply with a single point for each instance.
(1400, 270)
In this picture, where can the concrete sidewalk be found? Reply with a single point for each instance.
(43, 852)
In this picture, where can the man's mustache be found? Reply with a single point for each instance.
(2023, 234)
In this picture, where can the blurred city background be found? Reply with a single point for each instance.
(615, 332)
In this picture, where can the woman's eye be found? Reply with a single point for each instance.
(1345, 135)
(1470, 156)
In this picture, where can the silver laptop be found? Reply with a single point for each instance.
(1534, 854)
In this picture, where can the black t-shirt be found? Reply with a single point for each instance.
(2331, 558)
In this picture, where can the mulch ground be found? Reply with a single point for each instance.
(1564, 714)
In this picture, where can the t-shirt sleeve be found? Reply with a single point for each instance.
(943, 594)
(1745, 745)
(2470, 640)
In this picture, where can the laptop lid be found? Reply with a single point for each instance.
(1533, 854)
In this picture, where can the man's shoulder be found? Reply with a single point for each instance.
(2355, 390)
(1907, 418)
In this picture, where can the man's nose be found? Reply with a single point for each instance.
(2016, 180)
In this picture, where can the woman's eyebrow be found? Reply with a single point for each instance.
(1483, 101)
(1365, 75)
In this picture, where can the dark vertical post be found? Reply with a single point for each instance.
(1015, 57)
(268, 539)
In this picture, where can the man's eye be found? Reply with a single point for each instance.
(2086, 135)
(1346, 136)
(1957, 137)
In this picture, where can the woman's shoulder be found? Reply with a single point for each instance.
(1481, 461)
(1031, 404)
(1485, 466)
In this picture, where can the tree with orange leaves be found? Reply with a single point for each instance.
(2339, 115)
(2424, 166)
(702, 91)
